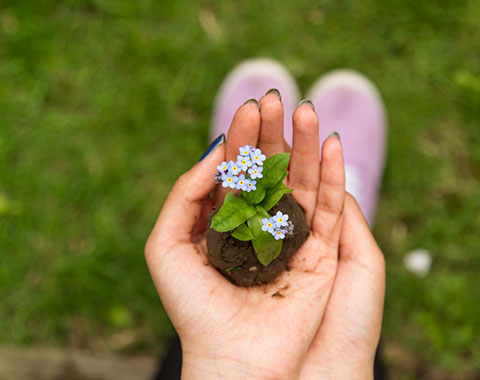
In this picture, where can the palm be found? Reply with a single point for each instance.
(223, 313)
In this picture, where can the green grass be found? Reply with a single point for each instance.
(104, 103)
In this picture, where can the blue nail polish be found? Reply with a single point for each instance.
(218, 141)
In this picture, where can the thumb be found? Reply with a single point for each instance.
(359, 289)
(184, 204)
(355, 307)
(357, 242)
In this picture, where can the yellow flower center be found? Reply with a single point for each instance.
(280, 220)
(229, 179)
(255, 171)
(269, 225)
(241, 182)
(256, 157)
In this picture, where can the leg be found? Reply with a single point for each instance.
(350, 104)
(171, 366)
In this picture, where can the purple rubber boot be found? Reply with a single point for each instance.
(252, 79)
(350, 104)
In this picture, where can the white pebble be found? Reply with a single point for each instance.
(418, 261)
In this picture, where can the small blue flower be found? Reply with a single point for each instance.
(241, 183)
(268, 225)
(251, 185)
(229, 180)
(255, 172)
(246, 150)
(223, 167)
(257, 156)
(233, 168)
(280, 219)
(244, 162)
(279, 234)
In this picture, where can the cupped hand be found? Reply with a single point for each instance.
(345, 343)
(232, 332)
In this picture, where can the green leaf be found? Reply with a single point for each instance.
(264, 244)
(267, 256)
(256, 196)
(274, 172)
(243, 233)
(233, 212)
(263, 213)
(272, 196)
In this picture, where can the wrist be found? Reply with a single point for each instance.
(337, 370)
(196, 366)
(360, 372)
(363, 371)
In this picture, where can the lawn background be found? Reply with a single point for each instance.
(104, 103)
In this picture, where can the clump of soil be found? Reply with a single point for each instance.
(236, 259)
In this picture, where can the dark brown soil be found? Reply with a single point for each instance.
(244, 269)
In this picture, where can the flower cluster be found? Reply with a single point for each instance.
(242, 174)
(278, 225)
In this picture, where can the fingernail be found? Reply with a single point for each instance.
(254, 101)
(218, 141)
(274, 91)
(306, 101)
(334, 134)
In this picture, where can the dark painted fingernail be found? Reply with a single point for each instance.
(306, 101)
(274, 91)
(254, 101)
(334, 134)
(217, 142)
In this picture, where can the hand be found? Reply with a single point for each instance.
(345, 344)
(231, 332)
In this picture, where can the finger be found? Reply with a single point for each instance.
(244, 130)
(356, 229)
(304, 174)
(331, 194)
(184, 204)
(177, 266)
(270, 139)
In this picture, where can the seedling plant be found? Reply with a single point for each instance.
(259, 182)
